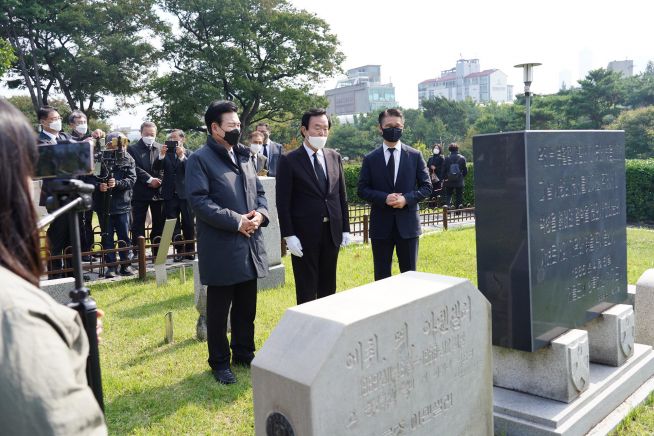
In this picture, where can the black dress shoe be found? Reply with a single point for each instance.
(86, 258)
(127, 271)
(110, 273)
(190, 257)
(224, 376)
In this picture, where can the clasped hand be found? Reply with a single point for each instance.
(105, 186)
(250, 222)
(395, 200)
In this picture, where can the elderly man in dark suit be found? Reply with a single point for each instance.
(393, 179)
(58, 233)
(259, 161)
(148, 181)
(230, 207)
(173, 190)
(312, 208)
(270, 149)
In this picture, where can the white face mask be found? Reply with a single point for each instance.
(148, 140)
(56, 125)
(436, 151)
(82, 128)
(317, 141)
(255, 148)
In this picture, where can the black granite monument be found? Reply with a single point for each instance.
(551, 230)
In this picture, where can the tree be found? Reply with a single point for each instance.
(264, 55)
(83, 49)
(598, 99)
(638, 125)
(7, 56)
(456, 115)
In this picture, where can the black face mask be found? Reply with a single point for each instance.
(392, 134)
(232, 136)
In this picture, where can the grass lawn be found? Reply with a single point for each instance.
(155, 388)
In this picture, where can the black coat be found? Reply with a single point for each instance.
(454, 157)
(219, 192)
(302, 204)
(144, 170)
(174, 175)
(124, 172)
(374, 186)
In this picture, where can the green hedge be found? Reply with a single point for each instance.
(640, 188)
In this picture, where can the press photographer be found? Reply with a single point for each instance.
(79, 131)
(112, 199)
(44, 348)
(172, 162)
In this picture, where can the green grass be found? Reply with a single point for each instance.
(156, 388)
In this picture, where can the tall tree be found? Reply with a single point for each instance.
(7, 56)
(597, 102)
(83, 49)
(264, 55)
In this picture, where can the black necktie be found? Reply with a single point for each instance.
(320, 172)
(265, 150)
(254, 162)
(153, 154)
(390, 166)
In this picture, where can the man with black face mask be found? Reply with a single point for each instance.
(230, 207)
(393, 179)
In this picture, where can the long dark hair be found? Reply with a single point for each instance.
(19, 236)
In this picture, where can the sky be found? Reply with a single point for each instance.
(414, 40)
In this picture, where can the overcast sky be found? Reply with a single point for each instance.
(414, 40)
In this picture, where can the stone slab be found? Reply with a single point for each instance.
(408, 354)
(555, 202)
(59, 289)
(271, 233)
(276, 277)
(517, 413)
(611, 336)
(644, 307)
(631, 296)
(559, 371)
(165, 241)
(161, 274)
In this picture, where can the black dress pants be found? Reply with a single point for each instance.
(382, 254)
(179, 209)
(86, 229)
(458, 190)
(139, 212)
(243, 298)
(59, 238)
(315, 271)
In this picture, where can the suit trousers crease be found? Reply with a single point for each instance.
(139, 212)
(315, 271)
(178, 208)
(382, 253)
(243, 299)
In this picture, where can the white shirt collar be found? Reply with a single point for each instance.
(310, 152)
(398, 146)
(54, 137)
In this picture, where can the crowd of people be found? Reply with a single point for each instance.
(216, 192)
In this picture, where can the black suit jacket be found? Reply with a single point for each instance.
(374, 186)
(302, 204)
(144, 170)
(174, 174)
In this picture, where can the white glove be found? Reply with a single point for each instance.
(347, 239)
(294, 246)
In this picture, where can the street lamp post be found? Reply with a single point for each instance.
(527, 76)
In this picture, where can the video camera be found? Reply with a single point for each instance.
(59, 164)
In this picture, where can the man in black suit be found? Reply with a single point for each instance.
(393, 179)
(173, 191)
(148, 181)
(58, 233)
(312, 208)
(271, 149)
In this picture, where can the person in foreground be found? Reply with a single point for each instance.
(393, 179)
(312, 208)
(43, 386)
(230, 207)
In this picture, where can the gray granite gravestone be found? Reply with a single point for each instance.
(551, 230)
(408, 354)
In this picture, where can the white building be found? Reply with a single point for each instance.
(467, 81)
(626, 67)
(361, 92)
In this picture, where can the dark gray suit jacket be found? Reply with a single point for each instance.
(219, 192)
(144, 170)
(274, 153)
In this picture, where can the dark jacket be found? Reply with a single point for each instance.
(120, 196)
(219, 192)
(274, 153)
(374, 186)
(44, 139)
(302, 204)
(454, 157)
(143, 160)
(174, 175)
(435, 160)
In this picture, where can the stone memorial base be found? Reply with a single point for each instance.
(59, 289)
(517, 413)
